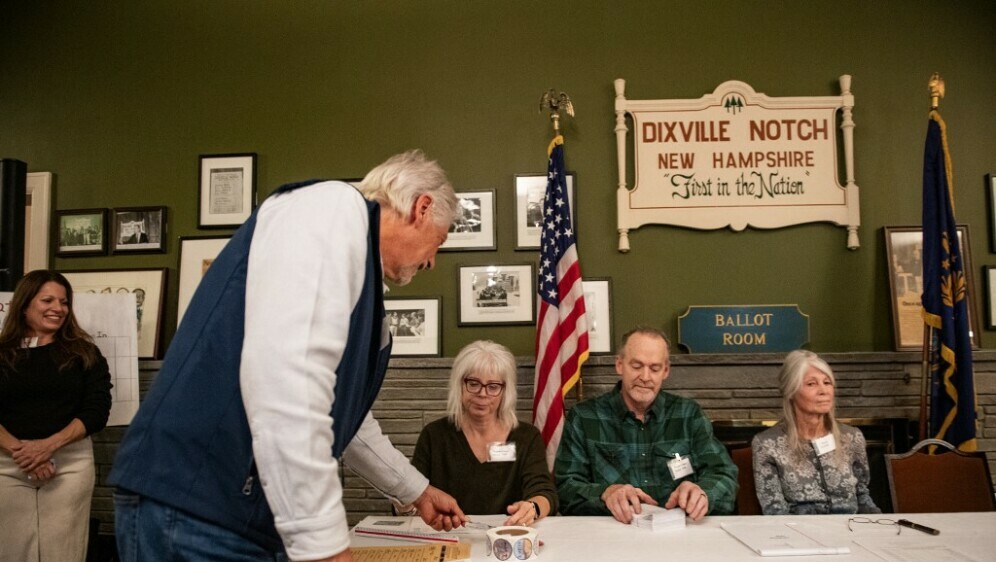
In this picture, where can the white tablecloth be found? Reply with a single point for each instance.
(963, 537)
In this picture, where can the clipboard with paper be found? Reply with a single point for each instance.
(774, 538)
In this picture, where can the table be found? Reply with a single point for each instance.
(964, 537)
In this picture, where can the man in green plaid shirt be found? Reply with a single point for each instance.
(636, 444)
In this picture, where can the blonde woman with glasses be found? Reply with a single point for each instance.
(480, 453)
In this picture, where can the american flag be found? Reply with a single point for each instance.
(562, 327)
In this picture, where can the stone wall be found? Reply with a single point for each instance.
(729, 387)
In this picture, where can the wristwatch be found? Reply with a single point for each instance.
(536, 507)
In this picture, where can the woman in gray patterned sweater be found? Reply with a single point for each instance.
(809, 463)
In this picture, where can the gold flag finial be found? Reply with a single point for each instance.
(936, 87)
(555, 102)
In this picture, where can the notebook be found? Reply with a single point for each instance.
(779, 539)
(402, 529)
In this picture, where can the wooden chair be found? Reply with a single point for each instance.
(946, 482)
(747, 503)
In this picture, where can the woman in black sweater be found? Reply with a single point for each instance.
(54, 392)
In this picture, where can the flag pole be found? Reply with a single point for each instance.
(936, 88)
(554, 102)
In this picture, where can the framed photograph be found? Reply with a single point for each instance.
(904, 249)
(496, 294)
(197, 253)
(139, 229)
(991, 199)
(989, 273)
(474, 229)
(598, 309)
(530, 189)
(149, 288)
(81, 232)
(37, 220)
(228, 189)
(414, 325)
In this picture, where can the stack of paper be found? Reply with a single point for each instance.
(659, 519)
(401, 529)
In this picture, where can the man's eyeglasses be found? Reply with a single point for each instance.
(474, 386)
(858, 520)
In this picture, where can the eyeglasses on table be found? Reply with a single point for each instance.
(857, 521)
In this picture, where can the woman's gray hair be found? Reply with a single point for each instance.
(790, 377)
(402, 178)
(483, 357)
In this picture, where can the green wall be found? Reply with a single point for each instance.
(118, 99)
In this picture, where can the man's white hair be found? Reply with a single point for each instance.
(402, 178)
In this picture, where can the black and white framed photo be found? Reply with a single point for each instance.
(149, 288)
(81, 232)
(989, 274)
(474, 228)
(415, 326)
(139, 229)
(530, 190)
(496, 294)
(197, 253)
(227, 189)
(598, 309)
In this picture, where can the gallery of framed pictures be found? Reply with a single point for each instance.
(80, 232)
(227, 189)
(138, 229)
(904, 252)
(474, 227)
(197, 253)
(414, 324)
(496, 294)
(149, 288)
(530, 190)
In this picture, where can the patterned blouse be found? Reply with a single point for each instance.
(836, 482)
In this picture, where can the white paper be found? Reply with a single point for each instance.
(779, 539)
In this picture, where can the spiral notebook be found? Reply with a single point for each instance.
(402, 529)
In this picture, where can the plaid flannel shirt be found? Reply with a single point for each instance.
(603, 444)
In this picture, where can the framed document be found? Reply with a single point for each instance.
(81, 232)
(989, 273)
(530, 190)
(904, 250)
(197, 253)
(414, 326)
(139, 229)
(37, 220)
(474, 228)
(149, 288)
(598, 309)
(496, 294)
(227, 189)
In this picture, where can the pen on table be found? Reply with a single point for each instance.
(923, 528)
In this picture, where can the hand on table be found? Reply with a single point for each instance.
(439, 510)
(690, 497)
(624, 500)
(521, 513)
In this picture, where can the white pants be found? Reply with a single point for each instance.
(49, 523)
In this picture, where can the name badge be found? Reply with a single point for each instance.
(501, 452)
(824, 444)
(680, 466)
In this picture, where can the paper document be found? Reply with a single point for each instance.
(402, 529)
(904, 552)
(779, 539)
(417, 553)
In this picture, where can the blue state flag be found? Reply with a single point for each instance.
(945, 299)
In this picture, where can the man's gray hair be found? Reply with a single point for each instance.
(402, 178)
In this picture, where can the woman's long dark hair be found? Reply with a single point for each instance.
(71, 341)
